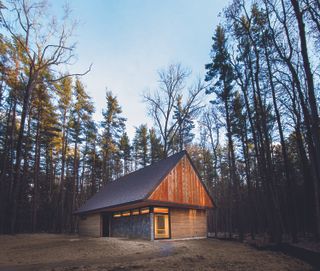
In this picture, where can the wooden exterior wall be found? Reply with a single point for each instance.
(90, 225)
(187, 223)
(182, 185)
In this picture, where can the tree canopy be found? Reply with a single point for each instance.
(251, 124)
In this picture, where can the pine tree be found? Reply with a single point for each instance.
(81, 114)
(156, 148)
(64, 90)
(220, 73)
(113, 126)
(185, 124)
(140, 143)
(125, 149)
(43, 46)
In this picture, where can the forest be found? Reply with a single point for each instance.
(251, 125)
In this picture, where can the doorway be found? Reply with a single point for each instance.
(161, 226)
(105, 225)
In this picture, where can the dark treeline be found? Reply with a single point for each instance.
(264, 84)
(256, 144)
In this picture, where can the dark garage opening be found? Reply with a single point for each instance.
(105, 225)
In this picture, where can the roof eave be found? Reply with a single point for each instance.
(97, 210)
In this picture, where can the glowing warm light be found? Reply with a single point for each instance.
(135, 212)
(145, 210)
(126, 213)
(161, 225)
(160, 210)
(116, 214)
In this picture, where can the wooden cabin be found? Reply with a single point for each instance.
(164, 200)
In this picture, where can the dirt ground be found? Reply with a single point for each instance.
(54, 252)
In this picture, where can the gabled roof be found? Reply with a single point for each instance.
(135, 186)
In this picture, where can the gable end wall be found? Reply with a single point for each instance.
(183, 186)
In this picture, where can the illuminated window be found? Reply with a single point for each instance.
(135, 212)
(160, 210)
(116, 214)
(145, 210)
(126, 213)
(161, 226)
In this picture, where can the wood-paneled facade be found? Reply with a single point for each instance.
(182, 186)
(90, 225)
(175, 208)
(188, 223)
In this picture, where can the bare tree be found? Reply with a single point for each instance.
(43, 46)
(212, 124)
(162, 103)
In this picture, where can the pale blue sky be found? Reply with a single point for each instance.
(128, 41)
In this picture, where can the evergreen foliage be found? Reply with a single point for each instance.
(256, 144)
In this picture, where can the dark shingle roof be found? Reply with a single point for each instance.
(132, 187)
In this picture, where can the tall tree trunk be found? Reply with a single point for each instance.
(33, 75)
(36, 177)
(250, 205)
(25, 173)
(314, 166)
(75, 183)
(6, 178)
(62, 188)
(290, 193)
(269, 199)
(314, 117)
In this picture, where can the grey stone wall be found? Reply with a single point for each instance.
(137, 226)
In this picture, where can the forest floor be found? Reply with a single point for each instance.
(53, 252)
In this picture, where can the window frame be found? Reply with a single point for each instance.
(159, 212)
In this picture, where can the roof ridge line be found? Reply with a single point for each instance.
(132, 186)
(154, 164)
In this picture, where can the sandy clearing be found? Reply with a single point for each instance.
(69, 252)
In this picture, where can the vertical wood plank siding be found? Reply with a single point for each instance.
(187, 223)
(90, 226)
(182, 185)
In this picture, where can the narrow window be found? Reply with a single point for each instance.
(160, 210)
(118, 214)
(145, 210)
(126, 213)
(135, 212)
